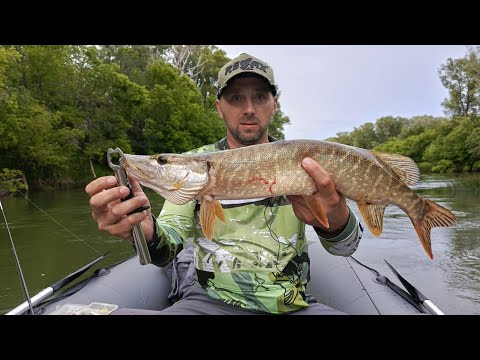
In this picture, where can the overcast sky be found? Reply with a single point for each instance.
(326, 89)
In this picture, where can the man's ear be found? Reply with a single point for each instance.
(219, 109)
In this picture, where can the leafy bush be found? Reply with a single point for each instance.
(444, 166)
(12, 180)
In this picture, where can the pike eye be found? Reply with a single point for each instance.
(161, 160)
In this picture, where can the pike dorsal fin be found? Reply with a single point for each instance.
(403, 166)
(373, 216)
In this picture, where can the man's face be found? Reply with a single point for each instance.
(247, 106)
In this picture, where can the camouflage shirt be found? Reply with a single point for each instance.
(258, 259)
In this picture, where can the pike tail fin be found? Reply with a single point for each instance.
(209, 211)
(434, 215)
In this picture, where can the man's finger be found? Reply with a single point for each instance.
(102, 198)
(97, 185)
(126, 207)
(124, 227)
(322, 179)
(136, 188)
(298, 201)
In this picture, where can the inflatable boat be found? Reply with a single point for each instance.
(343, 283)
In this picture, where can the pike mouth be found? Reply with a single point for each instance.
(137, 172)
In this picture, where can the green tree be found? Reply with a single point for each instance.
(200, 63)
(132, 59)
(177, 120)
(418, 124)
(275, 128)
(450, 145)
(461, 77)
(388, 127)
(9, 97)
(364, 136)
(343, 137)
(413, 146)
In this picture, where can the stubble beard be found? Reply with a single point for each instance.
(248, 138)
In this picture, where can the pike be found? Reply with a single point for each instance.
(372, 179)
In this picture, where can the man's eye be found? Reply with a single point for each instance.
(235, 97)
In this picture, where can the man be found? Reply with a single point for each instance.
(258, 261)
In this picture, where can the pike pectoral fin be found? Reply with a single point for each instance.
(317, 210)
(209, 211)
(373, 216)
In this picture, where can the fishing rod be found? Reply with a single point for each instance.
(20, 309)
(19, 268)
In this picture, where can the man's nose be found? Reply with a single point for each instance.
(249, 107)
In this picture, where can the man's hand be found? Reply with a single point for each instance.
(111, 214)
(326, 196)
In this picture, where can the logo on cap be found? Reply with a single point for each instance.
(246, 64)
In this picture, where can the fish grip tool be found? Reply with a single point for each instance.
(137, 231)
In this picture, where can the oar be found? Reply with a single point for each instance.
(20, 309)
(417, 295)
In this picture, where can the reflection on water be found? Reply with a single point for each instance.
(51, 249)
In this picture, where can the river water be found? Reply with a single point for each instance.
(54, 235)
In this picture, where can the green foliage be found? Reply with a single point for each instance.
(418, 124)
(450, 145)
(424, 167)
(12, 180)
(388, 127)
(365, 136)
(413, 146)
(132, 59)
(343, 137)
(444, 166)
(461, 77)
(275, 128)
(62, 107)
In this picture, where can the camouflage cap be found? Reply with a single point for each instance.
(244, 64)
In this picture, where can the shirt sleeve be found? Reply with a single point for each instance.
(346, 243)
(171, 230)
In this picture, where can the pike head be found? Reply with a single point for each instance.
(176, 177)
